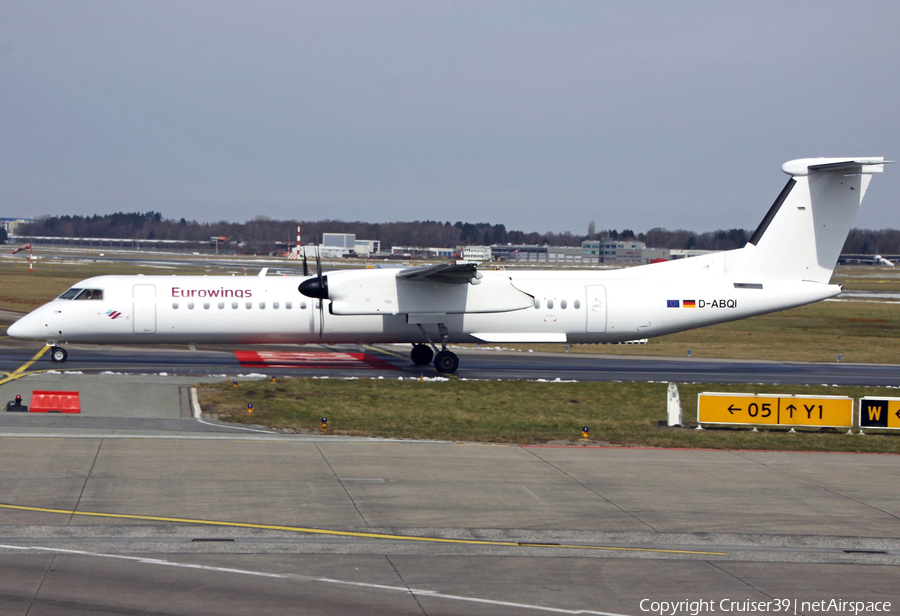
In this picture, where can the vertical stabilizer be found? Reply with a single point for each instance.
(802, 234)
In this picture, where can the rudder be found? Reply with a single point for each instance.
(803, 232)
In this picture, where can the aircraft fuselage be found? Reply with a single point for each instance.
(572, 307)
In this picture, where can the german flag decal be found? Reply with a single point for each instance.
(688, 303)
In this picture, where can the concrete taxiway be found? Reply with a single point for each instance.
(135, 506)
(182, 526)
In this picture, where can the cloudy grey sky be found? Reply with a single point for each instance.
(542, 116)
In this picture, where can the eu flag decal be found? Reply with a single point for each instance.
(672, 303)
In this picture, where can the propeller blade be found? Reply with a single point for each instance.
(315, 287)
(305, 265)
(318, 264)
(322, 283)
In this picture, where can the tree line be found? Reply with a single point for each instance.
(262, 230)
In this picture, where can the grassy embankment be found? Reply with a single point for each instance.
(518, 412)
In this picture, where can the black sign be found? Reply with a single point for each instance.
(873, 414)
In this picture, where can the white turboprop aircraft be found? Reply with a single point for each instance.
(787, 262)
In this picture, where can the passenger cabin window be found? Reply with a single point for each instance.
(287, 305)
(537, 304)
(190, 305)
(234, 305)
(206, 305)
(262, 305)
(275, 305)
(577, 304)
(248, 305)
(221, 305)
(549, 304)
(563, 304)
(175, 305)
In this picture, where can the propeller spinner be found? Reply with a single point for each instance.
(315, 287)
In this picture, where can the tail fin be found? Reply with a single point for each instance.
(802, 234)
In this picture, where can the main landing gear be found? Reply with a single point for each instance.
(444, 361)
(421, 354)
(58, 354)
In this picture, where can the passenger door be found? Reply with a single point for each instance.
(144, 321)
(596, 308)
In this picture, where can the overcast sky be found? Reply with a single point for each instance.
(542, 116)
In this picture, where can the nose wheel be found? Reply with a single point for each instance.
(58, 354)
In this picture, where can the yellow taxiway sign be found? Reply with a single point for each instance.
(775, 410)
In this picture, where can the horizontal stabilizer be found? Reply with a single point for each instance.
(803, 166)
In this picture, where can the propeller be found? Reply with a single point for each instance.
(317, 288)
(305, 265)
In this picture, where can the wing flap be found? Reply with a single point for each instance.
(449, 273)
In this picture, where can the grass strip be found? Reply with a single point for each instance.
(628, 414)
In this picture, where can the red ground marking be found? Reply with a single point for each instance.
(311, 360)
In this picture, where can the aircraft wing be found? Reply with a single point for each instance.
(433, 289)
(450, 273)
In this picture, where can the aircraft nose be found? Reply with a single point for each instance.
(28, 327)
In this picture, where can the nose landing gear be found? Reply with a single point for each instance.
(58, 354)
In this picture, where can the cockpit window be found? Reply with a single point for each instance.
(70, 294)
(82, 294)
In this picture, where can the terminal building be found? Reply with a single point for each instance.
(532, 253)
(11, 225)
(343, 245)
(609, 251)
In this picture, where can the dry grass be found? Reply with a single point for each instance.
(516, 412)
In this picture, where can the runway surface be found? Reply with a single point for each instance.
(136, 506)
(393, 361)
